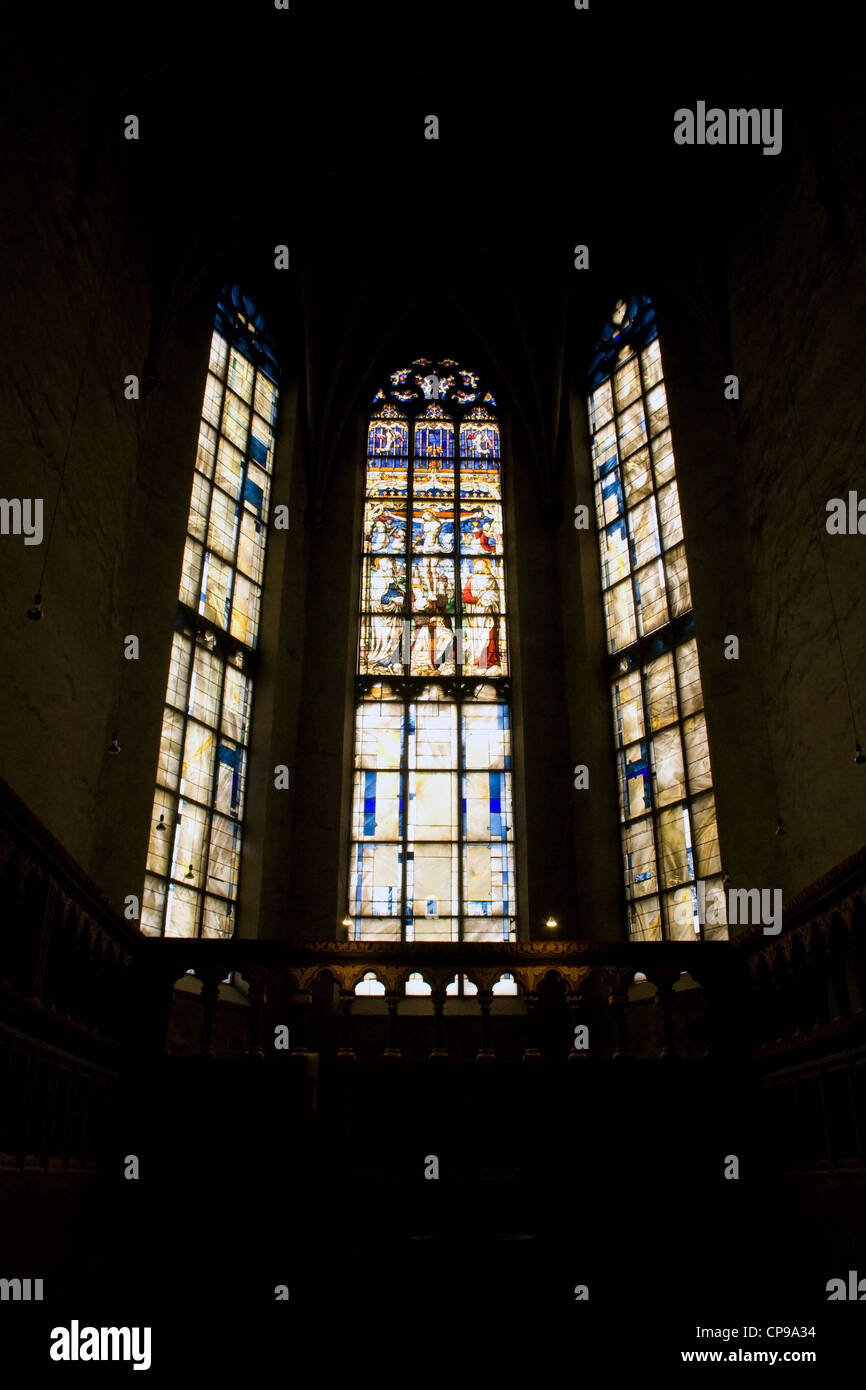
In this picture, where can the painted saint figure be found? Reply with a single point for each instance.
(388, 532)
(433, 607)
(479, 533)
(387, 599)
(431, 527)
(481, 600)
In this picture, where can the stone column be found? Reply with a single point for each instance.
(485, 1051)
(391, 1049)
(347, 1000)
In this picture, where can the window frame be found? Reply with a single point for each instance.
(627, 337)
(456, 690)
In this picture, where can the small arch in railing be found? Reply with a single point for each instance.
(817, 948)
(370, 985)
(858, 942)
(838, 934)
(34, 888)
(641, 988)
(416, 985)
(10, 882)
(552, 988)
(325, 976)
(188, 983)
(58, 915)
(461, 987)
(801, 981)
(596, 988)
(506, 984)
(838, 961)
(780, 966)
(84, 935)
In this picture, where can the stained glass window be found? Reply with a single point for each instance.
(670, 842)
(193, 862)
(432, 855)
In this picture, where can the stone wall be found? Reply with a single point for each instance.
(79, 314)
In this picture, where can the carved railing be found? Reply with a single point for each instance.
(805, 989)
(805, 1021)
(66, 997)
(562, 988)
(83, 993)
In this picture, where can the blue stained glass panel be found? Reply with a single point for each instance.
(258, 451)
(434, 440)
(255, 495)
(369, 803)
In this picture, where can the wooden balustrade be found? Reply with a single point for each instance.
(807, 986)
(67, 1006)
(83, 993)
(560, 986)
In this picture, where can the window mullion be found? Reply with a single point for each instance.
(459, 683)
(653, 810)
(406, 683)
(211, 803)
(668, 627)
(178, 812)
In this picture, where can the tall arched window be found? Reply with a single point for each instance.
(193, 862)
(432, 855)
(670, 841)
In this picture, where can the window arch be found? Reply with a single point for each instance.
(193, 862)
(670, 844)
(432, 855)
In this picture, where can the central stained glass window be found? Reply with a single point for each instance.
(432, 855)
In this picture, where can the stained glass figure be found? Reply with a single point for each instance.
(667, 810)
(432, 856)
(193, 863)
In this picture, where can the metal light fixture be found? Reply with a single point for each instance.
(780, 829)
(189, 873)
(114, 746)
(859, 756)
(34, 612)
(159, 828)
(551, 922)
